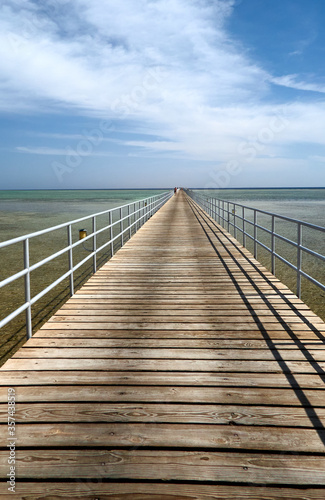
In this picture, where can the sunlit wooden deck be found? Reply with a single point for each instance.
(181, 370)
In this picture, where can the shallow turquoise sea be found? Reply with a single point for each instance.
(23, 212)
(303, 204)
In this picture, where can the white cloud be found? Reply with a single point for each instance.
(291, 81)
(106, 58)
(42, 150)
(170, 66)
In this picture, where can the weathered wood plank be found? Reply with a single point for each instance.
(189, 343)
(162, 325)
(128, 393)
(188, 365)
(168, 413)
(183, 319)
(90, 489)
(251, 334)
(275, 469)
(256, 301)
(46, 378)
(167, 436)
(311, 355)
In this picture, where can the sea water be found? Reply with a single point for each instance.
(24, 212)
(303, 204)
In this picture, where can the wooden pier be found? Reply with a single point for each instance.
(181, 370)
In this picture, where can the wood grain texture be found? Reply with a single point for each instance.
(217, 414)
(167, 436)
(172, 394)
(91, 489)
(182, 370)
(277, 381)
(170, 466)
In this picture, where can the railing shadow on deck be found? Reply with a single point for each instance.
(316, 422)
(297, 254)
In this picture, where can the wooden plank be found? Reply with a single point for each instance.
(177, 306)
(185, 319)
(46, 378)
(251, 334)
(188, 365)
(213, 300)
(165, 394)
(84, 300)
(216, 327)
(189, 343)
(188, 311)
(311, 355)
(90, 489)
(274, 469)
(167, 436)
(280, 416)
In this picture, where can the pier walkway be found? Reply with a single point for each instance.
(181, 370)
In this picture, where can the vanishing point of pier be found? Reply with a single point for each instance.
(181, 370)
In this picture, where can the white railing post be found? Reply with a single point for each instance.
(70, 260)
(29, 326)
(129, 222)
(94, 245)
(273, 246)
(110, 221)
(255, 234)
(121, 226)
(244, 227)
(299, 259)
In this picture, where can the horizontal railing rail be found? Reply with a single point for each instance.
(226, 214)
(129, 218)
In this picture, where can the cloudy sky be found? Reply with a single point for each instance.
(157, 93)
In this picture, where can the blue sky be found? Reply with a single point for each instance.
(157, 93)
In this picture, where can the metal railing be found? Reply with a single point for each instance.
(228, 214)
(129, 218)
